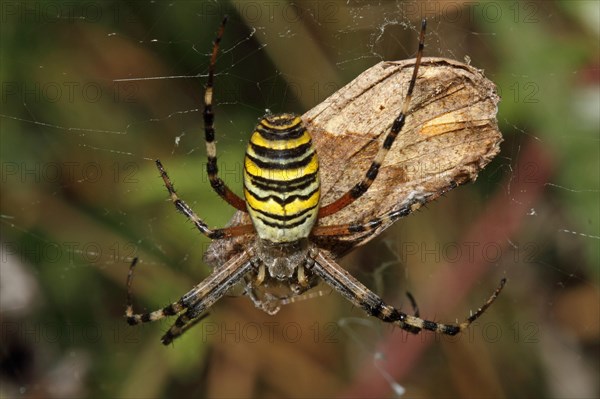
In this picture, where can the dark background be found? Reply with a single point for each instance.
(93, 92)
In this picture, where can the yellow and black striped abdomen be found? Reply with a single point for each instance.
(281, 179)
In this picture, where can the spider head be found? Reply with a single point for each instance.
(282, 259)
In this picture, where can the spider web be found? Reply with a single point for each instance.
(92, 94)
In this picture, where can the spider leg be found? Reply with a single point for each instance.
(304, 297)
(204, 295)
(360, 188)
(183, 323)
(342, 281)
(370, 225)
(133, 318)
(413, 303)
(209, 132)
(181, 206)
(197, 300)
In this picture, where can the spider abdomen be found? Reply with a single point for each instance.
(281, 179)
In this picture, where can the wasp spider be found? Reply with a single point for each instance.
(282, 198)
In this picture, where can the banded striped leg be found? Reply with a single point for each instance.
(342, 281)
(191, 215)
(413, 303)
(360, 188)
(366, 226)
(196, 301)
(410, 205)
(209, 132)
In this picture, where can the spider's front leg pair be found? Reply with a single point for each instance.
(192, 306)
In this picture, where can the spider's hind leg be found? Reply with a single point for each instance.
(209, 132)
(396, 128)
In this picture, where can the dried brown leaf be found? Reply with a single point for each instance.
(451, 133)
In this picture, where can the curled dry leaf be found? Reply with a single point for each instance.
(451, 133)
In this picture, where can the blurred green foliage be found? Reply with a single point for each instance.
(93, 92)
